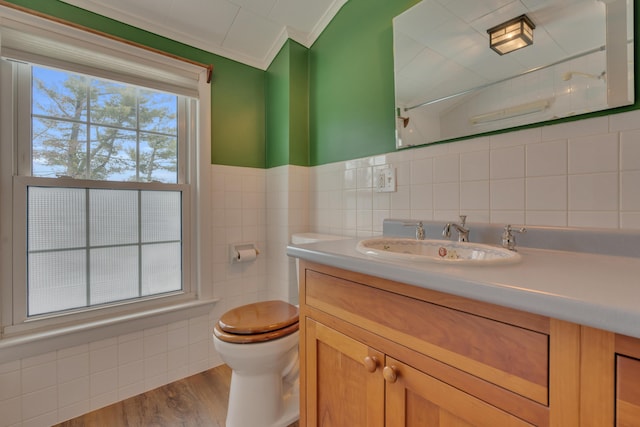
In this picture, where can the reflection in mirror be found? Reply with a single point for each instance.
(449, 83)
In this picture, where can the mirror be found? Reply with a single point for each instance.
(449, 83)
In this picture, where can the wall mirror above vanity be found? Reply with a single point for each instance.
(450, 84)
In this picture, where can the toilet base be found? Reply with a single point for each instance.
(264, 401)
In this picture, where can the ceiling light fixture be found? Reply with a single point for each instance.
(511, 35)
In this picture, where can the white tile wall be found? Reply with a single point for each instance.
(59, 385)
(239, 205)
(287, 213)
(584, 173)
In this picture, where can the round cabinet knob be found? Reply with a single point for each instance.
(371, 363)
(389, 373)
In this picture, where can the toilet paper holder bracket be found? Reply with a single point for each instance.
(243, 252)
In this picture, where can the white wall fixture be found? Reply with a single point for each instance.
(385, 180)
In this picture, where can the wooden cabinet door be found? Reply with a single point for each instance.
(414, 398)
(344, 384)
(628, 392)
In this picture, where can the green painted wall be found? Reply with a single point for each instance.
(288, 107)
(351, 83)
(278, 76)
(237, 90)
(237, 115)
(299, 105)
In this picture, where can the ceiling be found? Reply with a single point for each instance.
(248, 31)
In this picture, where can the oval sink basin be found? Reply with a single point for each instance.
(440, 251)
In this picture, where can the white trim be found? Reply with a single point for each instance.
(202, 206)
(305, 39)
(7, 167)
(322, 23)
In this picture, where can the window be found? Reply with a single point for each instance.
(88, 246)
(98, 162)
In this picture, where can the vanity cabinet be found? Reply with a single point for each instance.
(610, 379)
(375, 352)
(356, 385)
(626, 359)
(627, 391)
(343, 389)
(415, 398)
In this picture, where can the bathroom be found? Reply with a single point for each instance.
(264, 186)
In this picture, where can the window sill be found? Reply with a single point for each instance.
(38, 342)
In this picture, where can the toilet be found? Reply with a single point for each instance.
(259, 342)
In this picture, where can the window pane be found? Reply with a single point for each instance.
(56, 218)
(57, 281)
(59, 94)
(113, 154)
(59, 148)
(133, 131)
(161, 268)
(114, 274)
(158, 158)
(115, 104)
(158, 112)
(161, 216)
(113, 217)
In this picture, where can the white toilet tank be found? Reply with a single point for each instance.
(305, 238)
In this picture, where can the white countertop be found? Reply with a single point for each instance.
(590, 289)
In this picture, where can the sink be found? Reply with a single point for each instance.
(439, 251)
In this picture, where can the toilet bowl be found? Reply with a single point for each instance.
(259, 342)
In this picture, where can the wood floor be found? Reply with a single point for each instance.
(197, 401)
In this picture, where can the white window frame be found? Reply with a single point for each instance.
(13, 162)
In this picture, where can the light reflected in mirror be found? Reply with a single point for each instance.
(450, 84)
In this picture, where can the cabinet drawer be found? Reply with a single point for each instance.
(509, 356)
(627, 391)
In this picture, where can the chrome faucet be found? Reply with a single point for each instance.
(463, 232)
(419, 229)
(508, 239)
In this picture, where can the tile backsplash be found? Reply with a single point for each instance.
(579, 174)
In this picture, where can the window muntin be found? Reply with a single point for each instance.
(90, 240)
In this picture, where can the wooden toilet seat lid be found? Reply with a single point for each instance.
(259, 318)
(254, 338)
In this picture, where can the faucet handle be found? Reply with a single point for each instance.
(508, 239)
(420, 233)
(463, 220)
